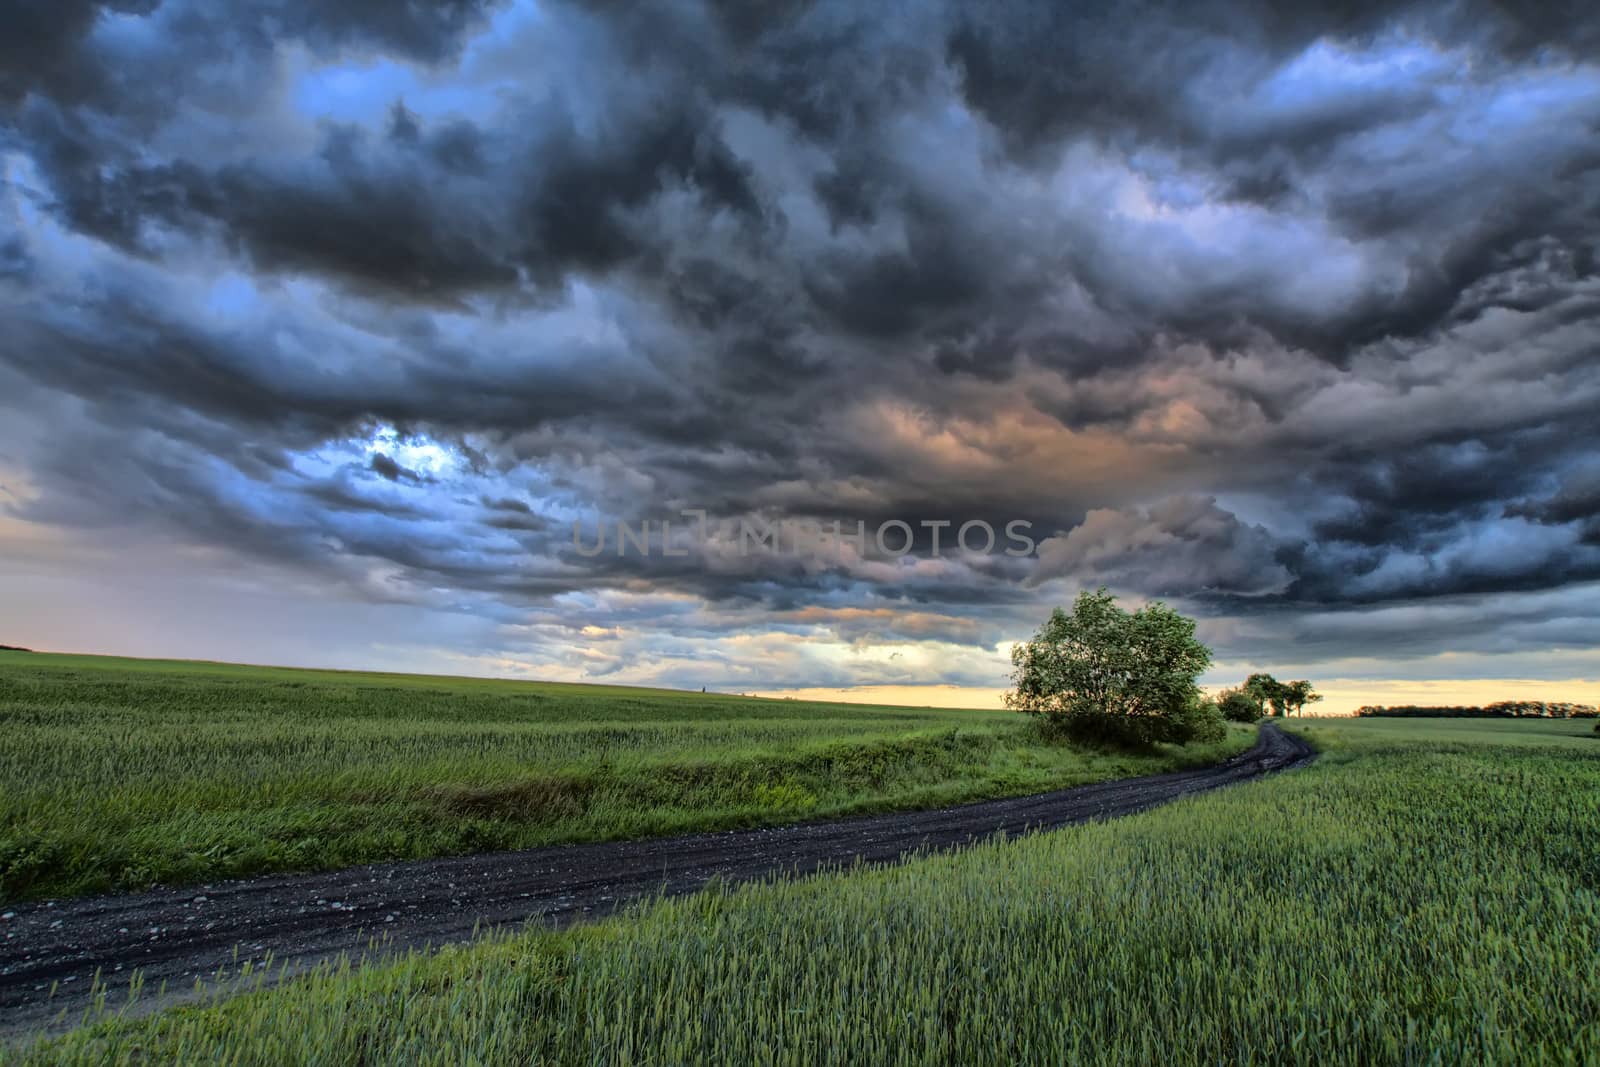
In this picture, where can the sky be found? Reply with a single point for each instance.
(336, 333)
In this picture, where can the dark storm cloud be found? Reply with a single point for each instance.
(1577, 499)
(1180, 546)
(51, 46)
(388, 469)
(414, 221)
(1044, 72)
(1403, 500)
(1274, 309)
(40, 46)
(1040, 70)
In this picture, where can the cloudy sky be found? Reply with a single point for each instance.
(325, 322)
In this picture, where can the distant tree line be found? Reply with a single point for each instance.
(1501, 709)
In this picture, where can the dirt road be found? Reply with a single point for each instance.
(175, 936)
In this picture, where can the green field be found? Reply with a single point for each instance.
(1425, 893)
(119, 774)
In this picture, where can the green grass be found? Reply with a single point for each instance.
(1426, 893)
(1443, 734)
(119, 774)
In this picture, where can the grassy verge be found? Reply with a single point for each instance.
(1422, 894)
(120, 774)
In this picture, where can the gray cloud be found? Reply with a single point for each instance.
(1181, 546)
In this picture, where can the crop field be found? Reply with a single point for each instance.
(119, 774)
(1427, 892)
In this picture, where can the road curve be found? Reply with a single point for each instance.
(52, 951)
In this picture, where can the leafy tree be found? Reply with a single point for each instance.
(1238, 706)
(1266, 691)
(1296, 695)
(1104, 673)
(1200, 720)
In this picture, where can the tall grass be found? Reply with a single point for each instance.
(1417, 896)
(118, 774)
